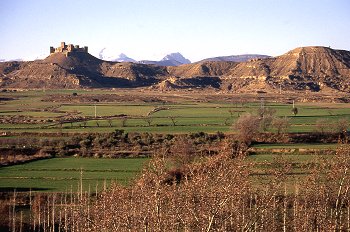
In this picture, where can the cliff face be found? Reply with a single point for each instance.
(305, 68)
(300, 62)
(312, 61)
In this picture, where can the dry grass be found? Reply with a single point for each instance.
(208, 194)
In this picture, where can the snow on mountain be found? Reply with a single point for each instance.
(172, 59)
(177, 57)
(124, 58)
(110, 55)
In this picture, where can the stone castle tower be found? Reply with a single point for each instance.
(67, 49)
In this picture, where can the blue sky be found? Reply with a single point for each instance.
(149, 29)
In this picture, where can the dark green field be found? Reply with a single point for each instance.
(166, 113)
(64, 174)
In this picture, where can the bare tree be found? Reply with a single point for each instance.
(173, 120)
(231, 111)
(266, 111)
(61, 122)
(321, 125)
(341, 125)
(182, 152)
(267, 115)
(247, 127)
(110, 122)
(123, 121)
(148, 120)
(281, 125)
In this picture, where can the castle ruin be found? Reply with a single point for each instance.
(68, 48)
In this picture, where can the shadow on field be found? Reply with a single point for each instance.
(11, 189)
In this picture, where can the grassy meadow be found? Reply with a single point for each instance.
(64, 174)
(44, 113)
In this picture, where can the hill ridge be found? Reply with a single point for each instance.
(311, 68)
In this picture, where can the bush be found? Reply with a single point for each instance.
(341, 126)
(247, 126)
(322, 126)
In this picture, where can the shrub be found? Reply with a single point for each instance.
(247, 126)
(322, 126)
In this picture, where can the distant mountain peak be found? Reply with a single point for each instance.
(124, 58)
(122, 55)
(178, 57)
(172, 59)
(109, 55)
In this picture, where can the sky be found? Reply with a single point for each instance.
(150, 29)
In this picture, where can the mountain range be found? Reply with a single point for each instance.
(312, 68)
(172, 59)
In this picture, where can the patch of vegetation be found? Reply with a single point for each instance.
(62, 174)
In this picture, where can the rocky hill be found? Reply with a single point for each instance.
(305, 68)
(78, 70)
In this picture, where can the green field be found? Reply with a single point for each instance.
(265, 166)
(189, 114)
(63, 174)
(297, 146)
(299, 156)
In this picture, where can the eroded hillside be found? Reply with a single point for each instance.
(305, 68)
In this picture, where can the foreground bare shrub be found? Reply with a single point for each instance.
(208, 198)
(247, 127)
(214, 193)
